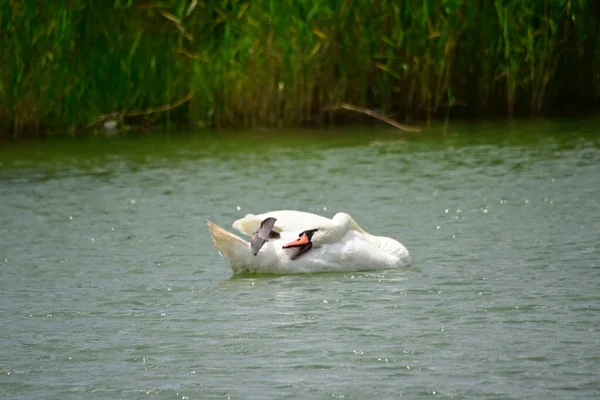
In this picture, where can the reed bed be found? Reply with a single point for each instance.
(226, 63)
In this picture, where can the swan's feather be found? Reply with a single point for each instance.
(262, 235)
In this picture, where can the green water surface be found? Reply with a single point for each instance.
(111, 287)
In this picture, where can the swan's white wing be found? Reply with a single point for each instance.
(390, 246)
(353, 253)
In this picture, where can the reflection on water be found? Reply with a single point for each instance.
(112, 288)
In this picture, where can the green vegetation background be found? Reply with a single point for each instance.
(65, 64)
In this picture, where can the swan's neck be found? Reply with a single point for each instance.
(334, 231)
(371, 238)
(354, 226)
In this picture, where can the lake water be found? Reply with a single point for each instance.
(112, 288)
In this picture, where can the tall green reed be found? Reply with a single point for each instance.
(280, 63)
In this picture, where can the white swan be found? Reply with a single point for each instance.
(314, 244)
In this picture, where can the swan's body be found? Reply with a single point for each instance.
(339, 244)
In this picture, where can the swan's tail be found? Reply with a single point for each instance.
(228, 244)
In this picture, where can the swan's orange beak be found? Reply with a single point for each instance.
(301, 241)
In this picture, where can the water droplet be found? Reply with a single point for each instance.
(239, 208)
(433, 392)
(446, 211)
(407, 367)
(70, 217)
(163, 314)
(480, 293)
(132, 201)
(526, 201)
(169, 289)
(93, 239)
(325, 208)
(438, 227)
